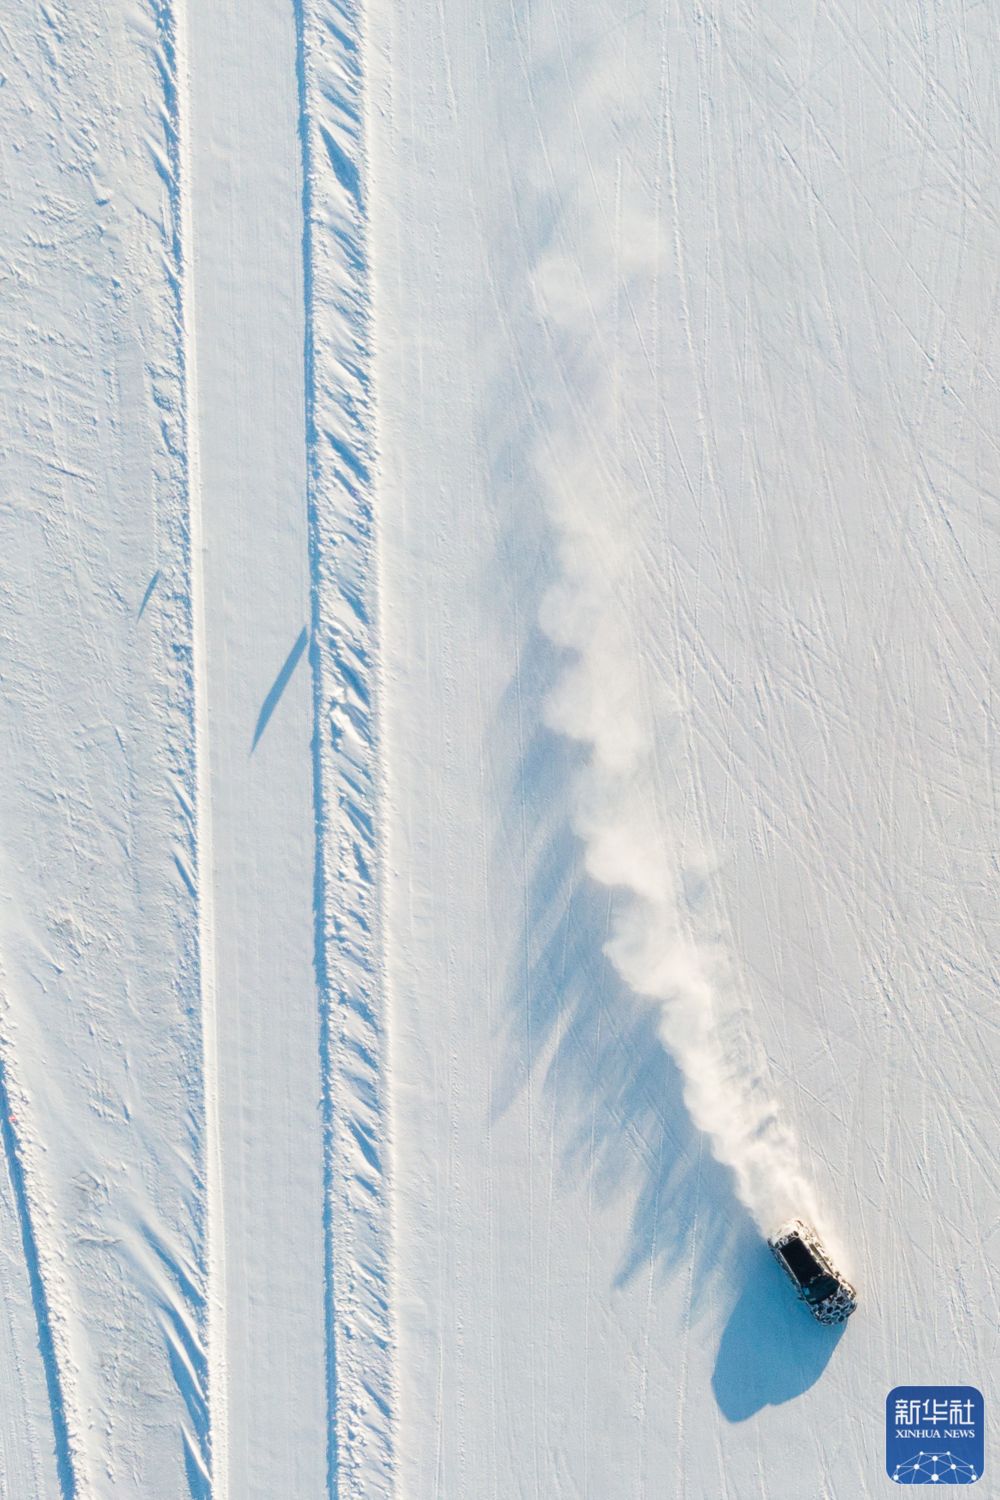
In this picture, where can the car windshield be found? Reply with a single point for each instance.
(801, 1262)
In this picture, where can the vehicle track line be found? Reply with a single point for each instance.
(65, 1465)
(216, 1311)
(347, 772)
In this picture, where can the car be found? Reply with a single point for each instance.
(800, 1253)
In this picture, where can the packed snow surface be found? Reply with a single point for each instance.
(499, 539)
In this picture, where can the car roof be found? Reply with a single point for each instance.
(801, 1260)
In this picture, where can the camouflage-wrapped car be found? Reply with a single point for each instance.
(799, 1252)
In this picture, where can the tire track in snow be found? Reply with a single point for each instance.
(20, 1450)
(172, 29)
(361, 1398)
(40, 1300)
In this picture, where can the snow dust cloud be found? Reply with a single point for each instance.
(633, 845)
(596, 295)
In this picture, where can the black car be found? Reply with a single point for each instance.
(799, 1251)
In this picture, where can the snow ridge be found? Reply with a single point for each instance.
(52, 1336)
(207, 1463)
(344, 630)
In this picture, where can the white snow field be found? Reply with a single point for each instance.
(499, 537)
(687, 330)
(103, 1375)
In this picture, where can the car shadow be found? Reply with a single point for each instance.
(771, 1349)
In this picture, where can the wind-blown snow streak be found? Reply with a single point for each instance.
(593, 476)
(342, 529)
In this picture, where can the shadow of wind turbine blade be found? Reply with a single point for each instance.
(280, 683)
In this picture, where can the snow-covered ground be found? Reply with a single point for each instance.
(100, 1035)
(686, 328)
(244, 328)
(499, 532)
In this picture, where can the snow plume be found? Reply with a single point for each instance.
(602, 290)
(637, 847)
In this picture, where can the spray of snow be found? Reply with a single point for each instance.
(633, 847)
(628, 800)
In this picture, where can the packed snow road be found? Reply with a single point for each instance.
(244, 330)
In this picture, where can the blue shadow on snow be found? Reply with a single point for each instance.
(772, 1349)
(151, 585)
(280, 683)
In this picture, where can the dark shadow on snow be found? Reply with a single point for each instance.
(280, 683)
(772, 1348)
(151, 585)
